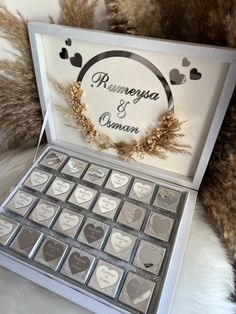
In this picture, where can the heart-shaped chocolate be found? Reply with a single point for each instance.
(78, 263)
(186, 62)
(138, 291)
(82, 195)
(195, 75)
(52, 250)
(106, 205)
(142, 190)
(132, 214)
(64, 53)
(76, 61)
(5, 227)
(120, 242)
(74, 166)
(176, 78)
(160, 224)
(52, 159)
(68, 221)
(93, 233)
(27, 238)
(150, 256)
(22, 199)
(118, 180)
(44, 212)
(106, 277)
(38, 178)
(60, 187)
(68, 42)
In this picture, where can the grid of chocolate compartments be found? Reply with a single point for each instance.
(99, 229)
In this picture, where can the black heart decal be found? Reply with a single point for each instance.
(185, 62)
(176, 78)
(27, 238)
(52, 250)
(93, 233)
(78, 263)
(195, 75)
(76, 61)
(64, 54)
(68, 42)
(136, 289)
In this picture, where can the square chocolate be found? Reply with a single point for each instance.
(132, 215)
(68, 223)
(120, 244)
(60, 188)
(167, 199)
(74, 167)
(106, 206)
(83, 196)
(106, 278)
(96, 174)
(26, 241)
(137, 292)
(159, 226)
(21, 202)
(38, 179)
(51, 253)
(8, 228)
(44, 213)
(93, 233)
(77, 265)
(142, 190)
(149, 257)
(53, 159)
(118, 182)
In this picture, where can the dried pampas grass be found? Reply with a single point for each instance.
(207, 22)
(19, 106)
(20, 113)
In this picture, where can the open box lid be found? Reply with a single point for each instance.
(129, 83)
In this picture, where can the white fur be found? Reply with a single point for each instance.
(204, 285)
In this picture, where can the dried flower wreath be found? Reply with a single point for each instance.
(159, 141)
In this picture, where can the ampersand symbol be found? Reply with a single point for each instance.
(121, 109)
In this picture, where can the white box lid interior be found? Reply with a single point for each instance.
(129, 83)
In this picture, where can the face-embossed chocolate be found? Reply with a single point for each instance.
(78, 265)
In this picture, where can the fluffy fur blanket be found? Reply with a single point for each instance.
(205, 283)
